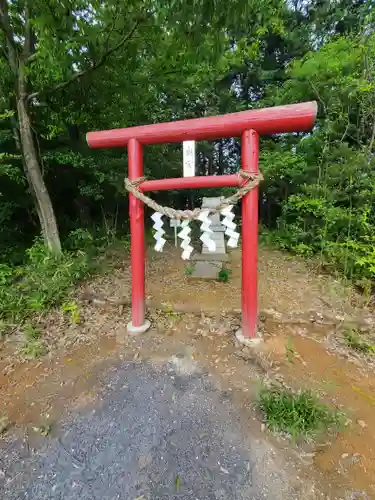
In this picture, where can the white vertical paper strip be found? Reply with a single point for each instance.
(158, 225)
(185, 243)
(188, 151)
(206, 231)
(230, 226)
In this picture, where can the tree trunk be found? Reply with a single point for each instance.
(31, 162)
(43, 201)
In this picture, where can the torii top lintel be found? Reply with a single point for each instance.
(279, 119)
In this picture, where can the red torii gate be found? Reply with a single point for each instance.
(246, 124)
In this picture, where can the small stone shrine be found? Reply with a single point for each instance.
(208, 264)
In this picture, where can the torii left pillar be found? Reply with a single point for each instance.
(138, 324)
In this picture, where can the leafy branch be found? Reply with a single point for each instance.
(8, 34)
(93, 67)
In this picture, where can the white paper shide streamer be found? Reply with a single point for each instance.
(230, 226)
(158, 225)
(185, 243)
(206, 231)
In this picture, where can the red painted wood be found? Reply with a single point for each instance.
(206, 181)
(279, 119)
(249, 159)
(137, 232)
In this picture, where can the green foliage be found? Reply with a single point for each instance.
(44, 281)
(117, 64)
(224, 274)
(31, 332)
(72, 309)
(188, 271)
(319, 198)
(33, 346)
(358, 342)
(290, 353)
(298, 414)
(34, 349)
(339, 77)
(80, 239)
(334, 219)
(330, 213)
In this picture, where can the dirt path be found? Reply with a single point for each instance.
(301, 309)
(148, 413)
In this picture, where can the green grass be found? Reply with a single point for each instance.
(290, 353)
(34, 349)
(298, 414)
(43, 282)
(31, 332)
(354, 340)
(33, 346)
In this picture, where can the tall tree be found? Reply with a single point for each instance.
(48, 46)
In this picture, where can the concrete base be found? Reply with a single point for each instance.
(207, 270)
(221, 257)
(137, 330)
(219, 249)
(251, 342)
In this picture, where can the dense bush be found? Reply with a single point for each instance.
(319, 190)
(42, 282)
(333, 217)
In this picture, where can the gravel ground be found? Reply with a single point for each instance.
(158, 431)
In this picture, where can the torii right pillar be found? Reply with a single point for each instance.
(249, 161)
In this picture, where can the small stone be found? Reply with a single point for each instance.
(262, 427)
(270, 314)
(4, 424)
(362, 423)
(345, 455)
(316, 317)
(99, 302)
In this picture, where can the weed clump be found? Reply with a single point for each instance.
(297, 414)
